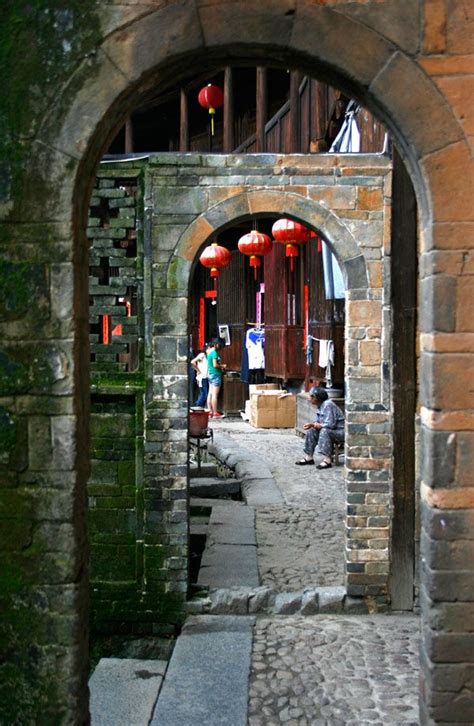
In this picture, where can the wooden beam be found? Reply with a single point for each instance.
(262, 110)
(129, 144)
(404, 301)
(228, 111)
(183, 122)
(295, 79)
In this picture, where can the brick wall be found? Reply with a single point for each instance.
(129, 582)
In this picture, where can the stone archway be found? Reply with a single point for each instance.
(89, 103)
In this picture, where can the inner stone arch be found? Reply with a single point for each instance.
(259, 202)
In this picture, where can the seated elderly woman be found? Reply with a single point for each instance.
(327, 428)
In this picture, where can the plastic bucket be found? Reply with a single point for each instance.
(198, 421)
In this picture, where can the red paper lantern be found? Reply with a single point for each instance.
(256, 245)
(211, 97)
(216, 258)
(291, 234)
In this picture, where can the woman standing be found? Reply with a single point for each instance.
(215, 371)
(199, 363)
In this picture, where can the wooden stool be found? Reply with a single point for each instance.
(337, 450)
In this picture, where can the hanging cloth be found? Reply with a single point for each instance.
(254, 342)
(326, 358)
(348, 139)
(244, 367)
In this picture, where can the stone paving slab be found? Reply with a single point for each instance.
(333, 670)
(236, 515)
(261, 492)
(230, 534)
(123, 691)
(225, 565)
(207, 677)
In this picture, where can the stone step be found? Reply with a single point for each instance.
(213, 487)
(230, 555)
(207, 677)
(207, 469)
(123, 691)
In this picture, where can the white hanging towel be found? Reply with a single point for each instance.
(348, 139)
(326, 358)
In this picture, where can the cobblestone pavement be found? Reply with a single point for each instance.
(322, 670)
(301, 544)
(335, 670)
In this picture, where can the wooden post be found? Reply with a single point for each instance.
(262, 110)
(183, 122)
(294, 113)
(319, 116)
(129, 146)
(403, 287)
(228, 111)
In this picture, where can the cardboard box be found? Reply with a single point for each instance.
(255, 387)
(272, 409)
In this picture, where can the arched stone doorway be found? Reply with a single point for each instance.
(368, 395)
(377, 69)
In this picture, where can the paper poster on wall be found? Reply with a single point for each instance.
(224, 333)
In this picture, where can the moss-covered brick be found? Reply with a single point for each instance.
(34, 369)
(103, 472)
(15, 534)
(125, 202)
(114, 525)
(113, 562)
(20, 283)
(109, 425)
(114, 502)
(8, 435)
(103, 490)
(110, 193)
(155, 556)
(126, 472)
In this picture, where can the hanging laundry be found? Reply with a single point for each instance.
(254, 342)
(326, 359)
(348, 139)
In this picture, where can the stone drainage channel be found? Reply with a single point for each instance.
(252, 651)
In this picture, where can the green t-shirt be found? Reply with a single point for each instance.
(211, 358)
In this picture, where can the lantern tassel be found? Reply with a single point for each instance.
(212, 111)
